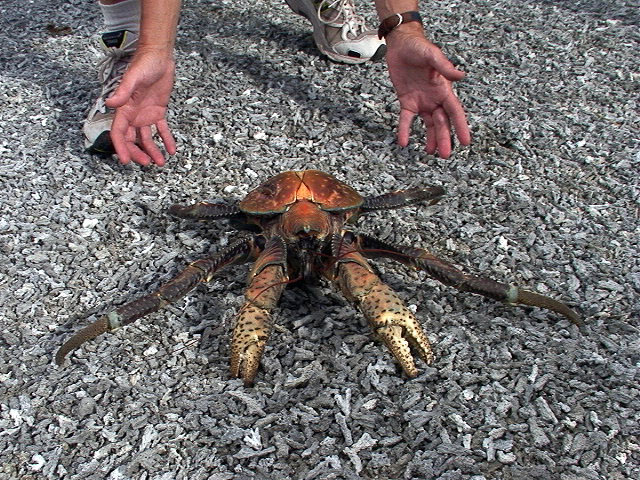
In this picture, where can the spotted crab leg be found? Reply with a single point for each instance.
(390, 319)
(198, 271)
(205, 211)
(402, 198)
(448, 274)
(253, 323)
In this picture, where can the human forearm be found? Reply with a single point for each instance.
(141, 99)
(158, 24)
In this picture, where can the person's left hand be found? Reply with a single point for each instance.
(141, 102)
(422, 77)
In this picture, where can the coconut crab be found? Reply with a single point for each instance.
(298, 221)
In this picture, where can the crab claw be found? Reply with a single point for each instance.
(390, 319)
(250, 335)
(253, 323)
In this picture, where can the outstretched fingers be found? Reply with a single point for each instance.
(438, 127)
(458, 119)
(404, 126)
(438, 133)
(437, 60)
(431, 143)
(122, 135)
(149, 146)
(167, 137)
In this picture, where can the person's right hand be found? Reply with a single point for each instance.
(141, 103)
(422, 77)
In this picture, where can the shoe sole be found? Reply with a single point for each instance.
(102, 145)
(325, 48)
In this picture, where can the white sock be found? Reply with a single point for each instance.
(122, 16)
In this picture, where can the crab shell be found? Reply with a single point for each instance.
(277, 194)
(301, 204)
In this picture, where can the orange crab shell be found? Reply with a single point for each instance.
(278, 193)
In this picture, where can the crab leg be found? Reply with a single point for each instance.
(253, 323)
(198, 271)
(384, 310)
(448, 274)
(205, 211)
(402, 198)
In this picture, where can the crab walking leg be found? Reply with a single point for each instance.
(402, 198)
(205, 211)
(253, 323)
(448, 274)
(198, 271)
(381, 306)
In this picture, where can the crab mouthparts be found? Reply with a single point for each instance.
(308, 252)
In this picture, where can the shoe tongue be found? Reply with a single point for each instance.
(114, 39)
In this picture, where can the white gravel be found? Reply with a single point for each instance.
(547, 196)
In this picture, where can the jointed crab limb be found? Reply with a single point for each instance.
(253, 323)
(198, 271)
(381, 306)
(450, 275)
(402, 198)
(205, 211)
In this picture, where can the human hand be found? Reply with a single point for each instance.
(141, 102)
(422, 77)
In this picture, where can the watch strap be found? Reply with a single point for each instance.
(389, 23)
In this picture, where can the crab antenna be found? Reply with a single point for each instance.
(284, 282)
(89, 332)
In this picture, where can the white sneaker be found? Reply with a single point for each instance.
(339, 32)
(119, 47)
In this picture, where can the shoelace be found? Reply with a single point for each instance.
(110, 71)
(351, 21)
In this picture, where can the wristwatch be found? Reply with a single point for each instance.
(393, 21)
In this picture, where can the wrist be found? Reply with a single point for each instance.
(158, 24)
(154, 53)
(410, 21)
(156, 49)
(386, 8)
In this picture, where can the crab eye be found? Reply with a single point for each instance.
(260, 241)
(349, 237)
